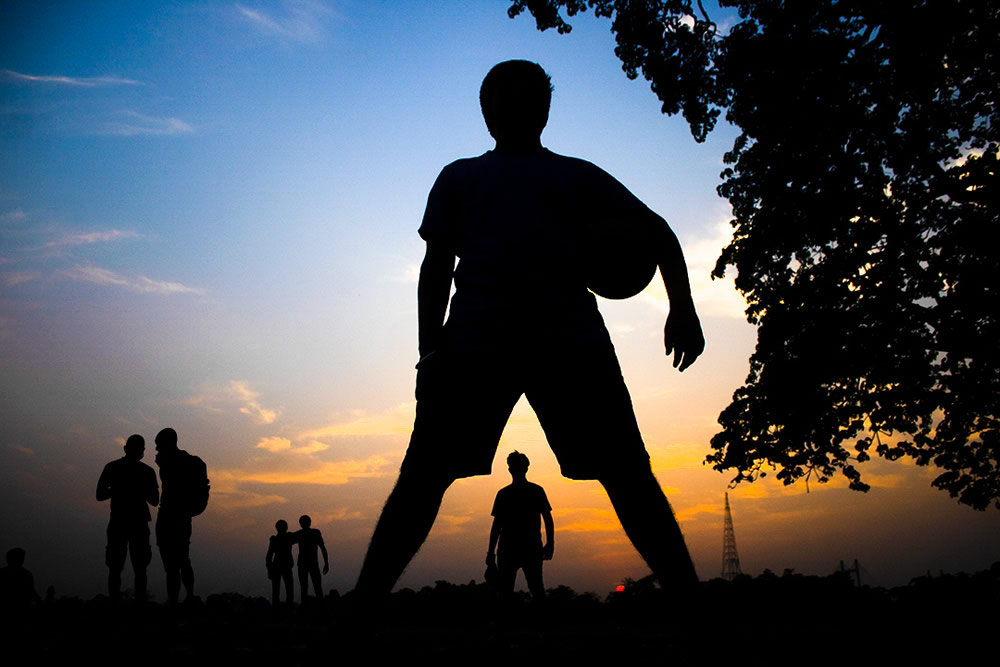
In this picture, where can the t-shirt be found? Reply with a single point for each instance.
(309, 540)
(518, 223)
(519, 508)
(132, 485)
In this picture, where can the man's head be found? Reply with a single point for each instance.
(515, 98)
(305, 521)
(135, 447)
(15, 557)
(281, 526)
(517, 463)
(166, 440)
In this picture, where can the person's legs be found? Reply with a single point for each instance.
(140, 554)
(304, 583)
(405, 522)
(649, 522)
(114, 558)
(316, 581)
(532, 569)
(289, 587)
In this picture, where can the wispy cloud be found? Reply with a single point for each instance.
(91, 237)
(12, 278)
(316, 472)
(237, 395)
(11, 216)
(398, 420)
(142, 284)
(134, 124)
(85, 82)
(298, 20)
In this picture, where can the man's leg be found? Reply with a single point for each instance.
(649, 522)
(304, 583)
(141, 555)
(405, 522)
(114, 558)
(316, 581)
(532, 569)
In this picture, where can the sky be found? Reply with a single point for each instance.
(208, 216)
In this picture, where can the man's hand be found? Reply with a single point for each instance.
(682, 336)
(326, 568)
(491, 559)
(547, 551)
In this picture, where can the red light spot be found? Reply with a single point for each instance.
(620, 588)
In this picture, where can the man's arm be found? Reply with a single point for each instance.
(682, 333)
(433, 292)
(269, 558)
(495, 531)
(152, 490)
(104, 484)
(322, 548)
(550, 536)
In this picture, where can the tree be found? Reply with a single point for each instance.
(864, 189)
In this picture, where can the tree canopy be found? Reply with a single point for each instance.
(864, 189)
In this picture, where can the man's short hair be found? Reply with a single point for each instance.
(135, 442)
(167, 437)
(305, 521)
(518, 461)
(535, 90)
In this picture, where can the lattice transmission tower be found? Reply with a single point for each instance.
(730, 557)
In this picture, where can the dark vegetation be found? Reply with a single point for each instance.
(765, 620)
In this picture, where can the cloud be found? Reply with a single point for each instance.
(315, 472)
(251, 406)
(237, 395)
(712, 297)
(84, 82)
(298, 20)
(12, 278)
(135, 124)
(398, 420)
(10, 216)
(141, 284)
(91, 237)
(274, 444)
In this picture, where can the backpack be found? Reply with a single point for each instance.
(196, 486)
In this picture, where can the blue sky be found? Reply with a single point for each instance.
(208, 219)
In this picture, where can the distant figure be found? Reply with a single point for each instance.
(279, 564)
(185, 495)
(131, 486)
(519, 220)
(310, 540)
(17, 586)
(516, 513)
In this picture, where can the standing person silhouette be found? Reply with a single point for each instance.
(279, 563)
(310, 540)
(185, 495)
(131, 485)
(522, 321)
(516, 513)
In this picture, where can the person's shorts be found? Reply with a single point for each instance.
(127, 537)
(466, 392)
(173, 538)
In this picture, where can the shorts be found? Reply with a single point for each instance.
(466, 392)
(128, 538)
(173, 538)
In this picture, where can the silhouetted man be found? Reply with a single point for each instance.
(522, 321)
(131, 486)
(185, 495)
(310, 540)
(279, 563)
(17, 588)
(516, 513)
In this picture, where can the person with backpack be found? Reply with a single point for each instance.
(185, 495)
